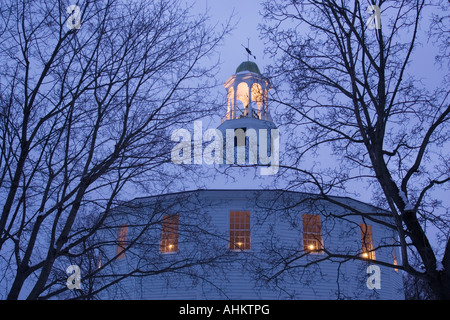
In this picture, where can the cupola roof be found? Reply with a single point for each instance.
(248, 66)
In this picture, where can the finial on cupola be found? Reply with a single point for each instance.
(247, 48)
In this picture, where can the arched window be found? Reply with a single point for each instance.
(257, 94)
(242, 97)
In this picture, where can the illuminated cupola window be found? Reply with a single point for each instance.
(249, 134)
(247, 93)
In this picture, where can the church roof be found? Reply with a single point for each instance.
(346, 201)
(248, 66)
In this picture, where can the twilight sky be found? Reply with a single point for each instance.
(247, 17)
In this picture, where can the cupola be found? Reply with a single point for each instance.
(247, 92)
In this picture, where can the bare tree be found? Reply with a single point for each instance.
(111, 265)
(345, 86)
(417, 288)
(87, 103)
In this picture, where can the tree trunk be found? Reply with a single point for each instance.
(439, 283)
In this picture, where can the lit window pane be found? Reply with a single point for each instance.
(367, 242)
(394, 254)
(242, 92)
(169, 234)
(239, 230)
(121, 241)
(312, 233)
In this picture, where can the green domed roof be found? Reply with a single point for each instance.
(248, 66)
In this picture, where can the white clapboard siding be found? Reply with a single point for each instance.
(274, 228)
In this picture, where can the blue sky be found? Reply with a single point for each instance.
(246, 19)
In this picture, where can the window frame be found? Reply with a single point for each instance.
(169, 240)
(121, 241)
(312, 233)
(239, 231)
(367, 248)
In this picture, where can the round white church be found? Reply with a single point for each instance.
(250, 244)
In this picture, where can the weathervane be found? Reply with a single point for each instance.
(249, 53)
